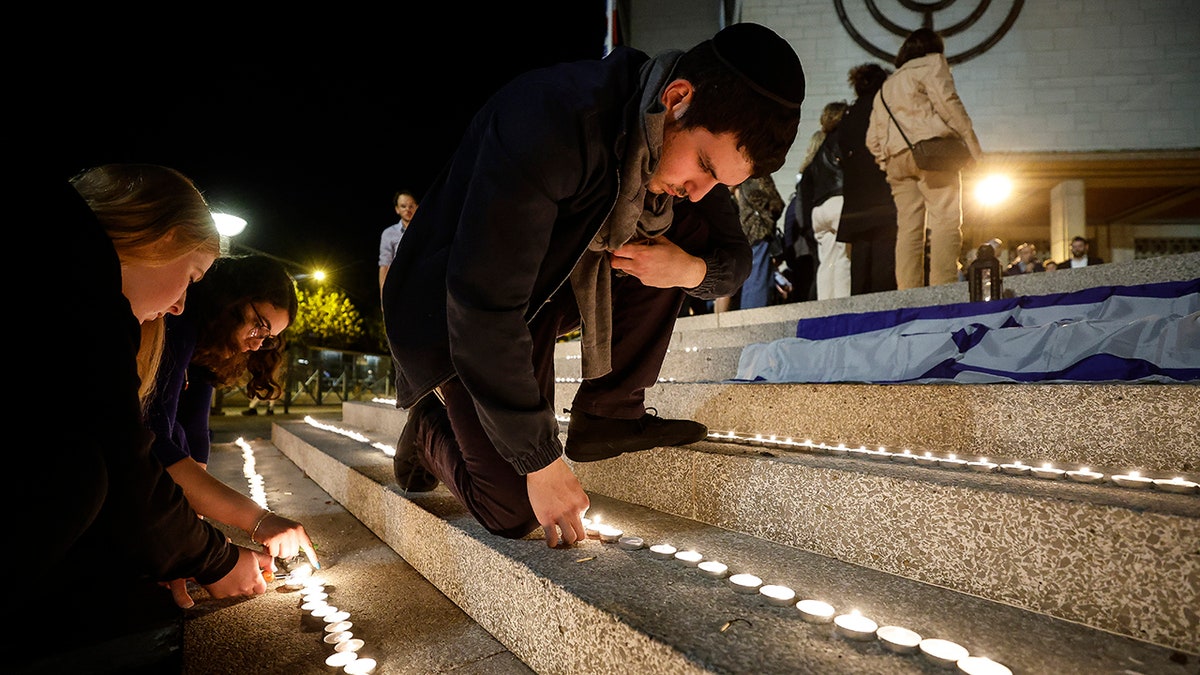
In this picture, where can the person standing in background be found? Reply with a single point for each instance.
(1079, 255)
(868, 221)
(405, 204)
(821, 203)
(1026, 262)
(924, 101)
(759, 207)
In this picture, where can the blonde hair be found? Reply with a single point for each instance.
(153, 215)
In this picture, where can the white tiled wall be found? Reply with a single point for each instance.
(1071, 75)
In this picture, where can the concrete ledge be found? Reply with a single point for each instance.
(1151, 428)
(595, 607)
(1101, 555)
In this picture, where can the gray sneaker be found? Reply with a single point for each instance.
(591, 438)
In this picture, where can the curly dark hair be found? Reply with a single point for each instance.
(867, 78)
(219, 302)
(724, 102)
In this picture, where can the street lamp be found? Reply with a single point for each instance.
(229, 226)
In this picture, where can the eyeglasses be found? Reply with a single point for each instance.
(262, 331)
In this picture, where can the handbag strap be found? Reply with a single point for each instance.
(898, 128)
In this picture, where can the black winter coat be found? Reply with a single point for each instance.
(867, 198)
(530, 184)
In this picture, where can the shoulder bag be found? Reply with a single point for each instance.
(941, 153)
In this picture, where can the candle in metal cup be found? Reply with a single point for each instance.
(943, 652)
(899, 639)
(714, 569)
(815, 611)
(855, 626)
(780, 596)
(744, 583)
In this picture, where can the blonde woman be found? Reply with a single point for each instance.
(108, 524)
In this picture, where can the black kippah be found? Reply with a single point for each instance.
(764, 59)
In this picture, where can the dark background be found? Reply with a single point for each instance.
(302, 126)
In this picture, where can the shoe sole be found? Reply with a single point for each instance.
(595, 452)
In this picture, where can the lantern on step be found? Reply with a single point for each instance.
(983, 276)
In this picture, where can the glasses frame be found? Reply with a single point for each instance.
(256, 333)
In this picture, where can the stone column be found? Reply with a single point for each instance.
(1068, 217)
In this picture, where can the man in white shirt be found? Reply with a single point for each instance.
(406, 205)
(1079, 255)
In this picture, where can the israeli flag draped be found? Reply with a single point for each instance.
(1146, 333)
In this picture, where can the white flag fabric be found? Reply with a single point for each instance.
(1147, 333)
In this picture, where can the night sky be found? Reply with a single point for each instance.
(303, 127)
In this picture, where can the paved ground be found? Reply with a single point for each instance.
(406, 624)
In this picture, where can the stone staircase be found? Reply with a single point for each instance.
(1042, 575)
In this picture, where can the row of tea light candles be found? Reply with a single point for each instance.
(314, 600)
(1133, 479)
(315, 604)
(852, 625)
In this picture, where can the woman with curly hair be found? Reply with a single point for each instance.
(230, 330)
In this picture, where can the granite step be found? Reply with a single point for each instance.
(1119, 559)
(596, 607)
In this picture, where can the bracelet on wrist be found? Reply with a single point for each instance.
(254, 531)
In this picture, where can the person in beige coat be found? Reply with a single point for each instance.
(924, 101)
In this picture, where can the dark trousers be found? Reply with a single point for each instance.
(463, 456)
(873, 262)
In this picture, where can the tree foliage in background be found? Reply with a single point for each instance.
(327, 319)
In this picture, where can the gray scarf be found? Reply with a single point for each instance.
(637, 213)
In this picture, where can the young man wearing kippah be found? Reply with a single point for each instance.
(557, 211)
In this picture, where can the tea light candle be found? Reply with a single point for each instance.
(927, 459)
(296, 578)
(609, 534)
(898, 639)
(360, 666)
(689, 558)
(339, 626)
(631, 543)
(943, 652)
(879, 455)
(714, 569)
(780, 596)
(815, 611)
(904, 456)
(1085, 475)
(315, 596)
(952, 462)
(1048, 471)
(349, 645)
(663, 551)
(337, 617)
(982, 466)
(1176, 484)
(744, 583)
(313, 582)
(1015, 469)
(313, 604)
(978, 665)
(591, 527)
(855, 626)
(339, 660)
(323, 611)
(1133, 480)
(839, 449)
(334, 638)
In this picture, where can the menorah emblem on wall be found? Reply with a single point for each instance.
(928, 12)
